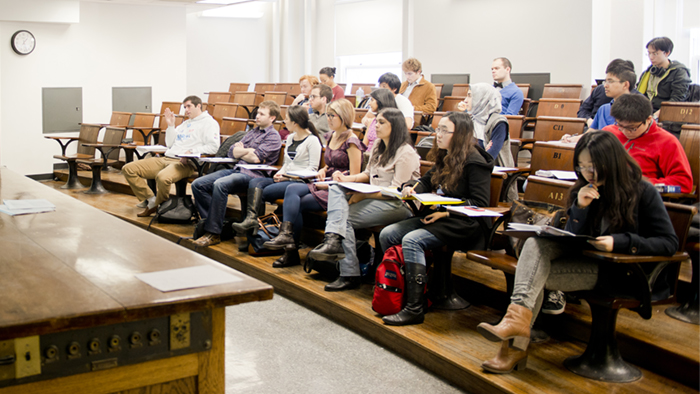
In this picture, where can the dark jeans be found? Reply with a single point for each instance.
(211, 195)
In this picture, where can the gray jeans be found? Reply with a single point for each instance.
(544, 263)
(343, 219)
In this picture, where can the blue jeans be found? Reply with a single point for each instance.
(544, 263)
(343, 219)
(298, 199)
(414, 239)
(271, 190)
(211, 195)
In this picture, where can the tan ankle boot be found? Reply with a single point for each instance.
(506, 360)
(515, 325)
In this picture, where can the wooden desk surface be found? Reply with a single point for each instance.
(74, 268)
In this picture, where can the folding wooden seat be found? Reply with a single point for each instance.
(218, 97)
(449, 103)
(88, 135)
(366, 87)
(552, 128)
(438, 89)
(264, 87)
(515, 128)
(460, 89)
(246, 103)
(231, 126)
(673, 115)
(237, 87)
(551, 156)
(119, 119)
(174, 106)
(359, 114)
(568, 91)
(352, 99)
(690, 140)
(222, 110)
(143, 128)
(565, 108)
(436, 119)
(524, 87)
(109, 151)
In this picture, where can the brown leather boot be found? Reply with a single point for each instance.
(515, 325)
(506, 360)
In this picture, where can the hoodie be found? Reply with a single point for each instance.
(673, 85)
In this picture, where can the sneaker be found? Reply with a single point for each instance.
(208, 239)
(555, 303)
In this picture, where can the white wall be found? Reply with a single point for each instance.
(100, 52)
(219, 51)
(456, 36)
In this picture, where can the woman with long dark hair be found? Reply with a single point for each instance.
(343, 156)
(462, 170)
(302, 152)
(609, 201)
(393, 162)
(379, 99)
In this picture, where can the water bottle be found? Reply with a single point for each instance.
(359, 96)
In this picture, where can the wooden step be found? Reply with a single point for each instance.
(447, 343)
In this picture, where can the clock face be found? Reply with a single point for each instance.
(23, 42)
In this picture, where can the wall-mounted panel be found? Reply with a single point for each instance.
(62, 109)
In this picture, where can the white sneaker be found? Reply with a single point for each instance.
(555, 303)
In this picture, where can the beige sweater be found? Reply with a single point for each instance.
(403, 167)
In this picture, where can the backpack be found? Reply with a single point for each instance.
(268, 228)
(330, 269)
(178, 210)
(389, 285)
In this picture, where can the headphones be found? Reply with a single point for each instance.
(657, 71)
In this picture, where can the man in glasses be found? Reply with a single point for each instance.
(665, 79)
(319, 98)
(619, 80)
(657, 151)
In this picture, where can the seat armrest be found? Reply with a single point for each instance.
(633, 259)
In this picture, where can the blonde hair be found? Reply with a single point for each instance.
(412, 64)
(311, 78)
(345, 110)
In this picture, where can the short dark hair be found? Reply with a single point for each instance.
(273, 107)
(616, 65)
(631, 108)
(324, 91)
(194, 100)
(392, 80)
(506, 62)
(625, 75)
(329, 71)
(663, 44)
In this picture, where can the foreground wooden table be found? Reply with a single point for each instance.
(75, 319)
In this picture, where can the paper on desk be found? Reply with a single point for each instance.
(360, 187)
(24, 207)
(303, 173)
(218, 159)
(467, 211)
(193, 155)
(504, 169)
(151, 148)
(187, 278)
(563, 175)
(257, 167)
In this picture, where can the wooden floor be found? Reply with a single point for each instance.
(447, 343)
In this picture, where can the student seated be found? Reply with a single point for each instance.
(589, 107)
(343, 156)
(319, 98)
(419, 91)
(327, 77)
(306, 83)
(665, 79)
(463, 170)
(392, 82)
(393, 162)
(302, 152)
(379, 99)
(609, 201)
(260, 145)
(199, 134)
(512, 96)
(658, 152)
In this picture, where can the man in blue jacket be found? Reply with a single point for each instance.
(511, 95)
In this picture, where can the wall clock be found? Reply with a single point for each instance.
(23, 42)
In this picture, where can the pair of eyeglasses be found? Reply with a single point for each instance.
(331, 116)
(590, 169)
(655, 53)
(627, 128)
(443, 131)
(609, 82)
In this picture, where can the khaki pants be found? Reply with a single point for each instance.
(164, 170)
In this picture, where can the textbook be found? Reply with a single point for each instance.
(423, 198)
(522, 230)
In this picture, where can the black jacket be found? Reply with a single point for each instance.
(672, 87)
(475, 187)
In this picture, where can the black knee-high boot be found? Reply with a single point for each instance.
(413, 312)
(255, 207)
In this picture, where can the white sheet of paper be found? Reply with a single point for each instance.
(503, 169)
(29, 204)
(218, 159)
(187, 278)
(564, 175)
(254, 167)
(194, 155)
(303, 173)
(361, 187)
(473, 213)
(151, 148)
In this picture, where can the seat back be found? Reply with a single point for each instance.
(366, 87)
(525, 108)
(438, 89)
(450, 103)
(568, 91)
(515, 125)
(263, 87)
(690, 139)
(680, 112)
(222, 110)
(359, 114)
(173, 105)
(278, 97)
(436, 119)
(425, 166)
(524, 87)
(237, 87)
(460, 89)
(142, 119)
(120, 119)
(553, 191)
(550, 128)
(230, 125)
(548, 156)
(113, 136)
(565, 108)
(219, 97)
(163, 125)
(497, 180)
(88, 135)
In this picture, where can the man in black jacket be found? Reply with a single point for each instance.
(664, 80)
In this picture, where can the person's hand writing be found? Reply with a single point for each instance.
(408, 190)
(604, 243)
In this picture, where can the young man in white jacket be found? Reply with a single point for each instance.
(199, 134)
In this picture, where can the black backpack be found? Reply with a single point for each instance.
(179, 210)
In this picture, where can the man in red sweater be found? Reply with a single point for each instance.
(657, 151)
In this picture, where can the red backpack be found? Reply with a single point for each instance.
(389, 286)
